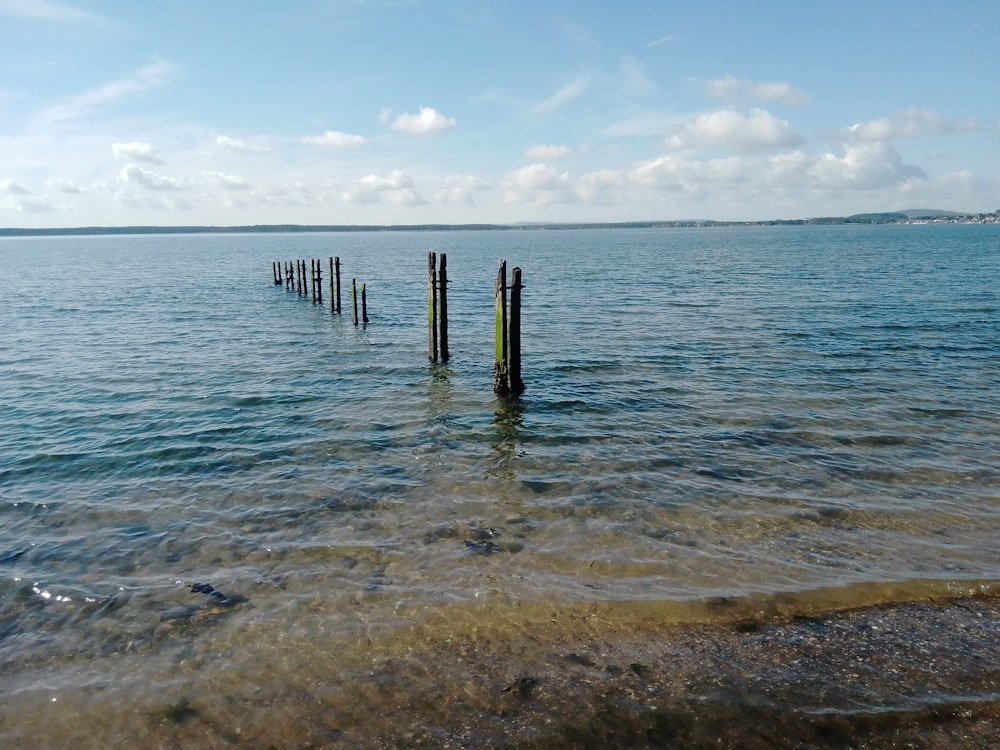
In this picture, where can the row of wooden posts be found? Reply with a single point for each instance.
(294, 277)
(507, 303)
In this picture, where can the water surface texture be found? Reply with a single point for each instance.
(788, 419)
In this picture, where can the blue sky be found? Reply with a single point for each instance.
(233, 112)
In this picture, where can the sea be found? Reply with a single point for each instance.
(220, 498)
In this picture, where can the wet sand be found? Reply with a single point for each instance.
(923, 675)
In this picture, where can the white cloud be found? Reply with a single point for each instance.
(911, 123)
(428, 121)
(600, 187)
(237, 144)
(136, 151)
(396, 188)
(147, 78)
(163, 203)
(64, 186)
(335, 139)
(548, 153)
(290, 194)
(228, 181)
(746, 180)
(863, 166)
(13, 188)
(459, 189)
(643, 125)
(734, 90)
(134, 174)
(539, 184)
(757, 130)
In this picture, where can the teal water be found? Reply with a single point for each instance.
(808, 413)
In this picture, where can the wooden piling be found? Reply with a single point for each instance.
(276, 270)
(364, 304)
(336, 262)
(443, 307)
(516, 385)
(501, 384)
(289, 276)
(333, 298)
(354, 299)
(437, 308)
(432, 312)
(507, 368)
(318, 281)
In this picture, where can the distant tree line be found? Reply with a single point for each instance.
(869, 218)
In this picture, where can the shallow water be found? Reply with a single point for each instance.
(792, 419)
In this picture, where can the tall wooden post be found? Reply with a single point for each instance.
(354, 298)
(336, 262)
(318, 282)
(276, 270)
(507, 368)
(432, 313)
(364, 304)
(443, 307)
(289, 275)
(514, 334)
(333, 299)
(500, 382)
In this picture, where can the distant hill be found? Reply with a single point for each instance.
(929, 213)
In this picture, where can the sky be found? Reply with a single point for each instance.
(242, 112)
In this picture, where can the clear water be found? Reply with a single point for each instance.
(798, 415)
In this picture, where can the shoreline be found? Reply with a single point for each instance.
(148, 229)
(920, 674)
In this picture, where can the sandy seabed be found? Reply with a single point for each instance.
(914, 675)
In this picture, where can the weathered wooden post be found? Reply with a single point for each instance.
(432, 313)
(333, 297)
(500, 381)
(507, 368)
(336, 262)
(364, 304)
(437, 308)
(443, 307)
(318, 282)
(276, 270)
(302, 272)
(289, 276)
(514, 334)
(354, 298)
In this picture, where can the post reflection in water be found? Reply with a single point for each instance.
(508, 421)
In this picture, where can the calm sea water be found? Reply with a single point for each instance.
(801, 416)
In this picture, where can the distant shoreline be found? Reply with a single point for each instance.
(885, 218)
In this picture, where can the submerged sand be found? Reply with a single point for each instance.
(913, 675)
